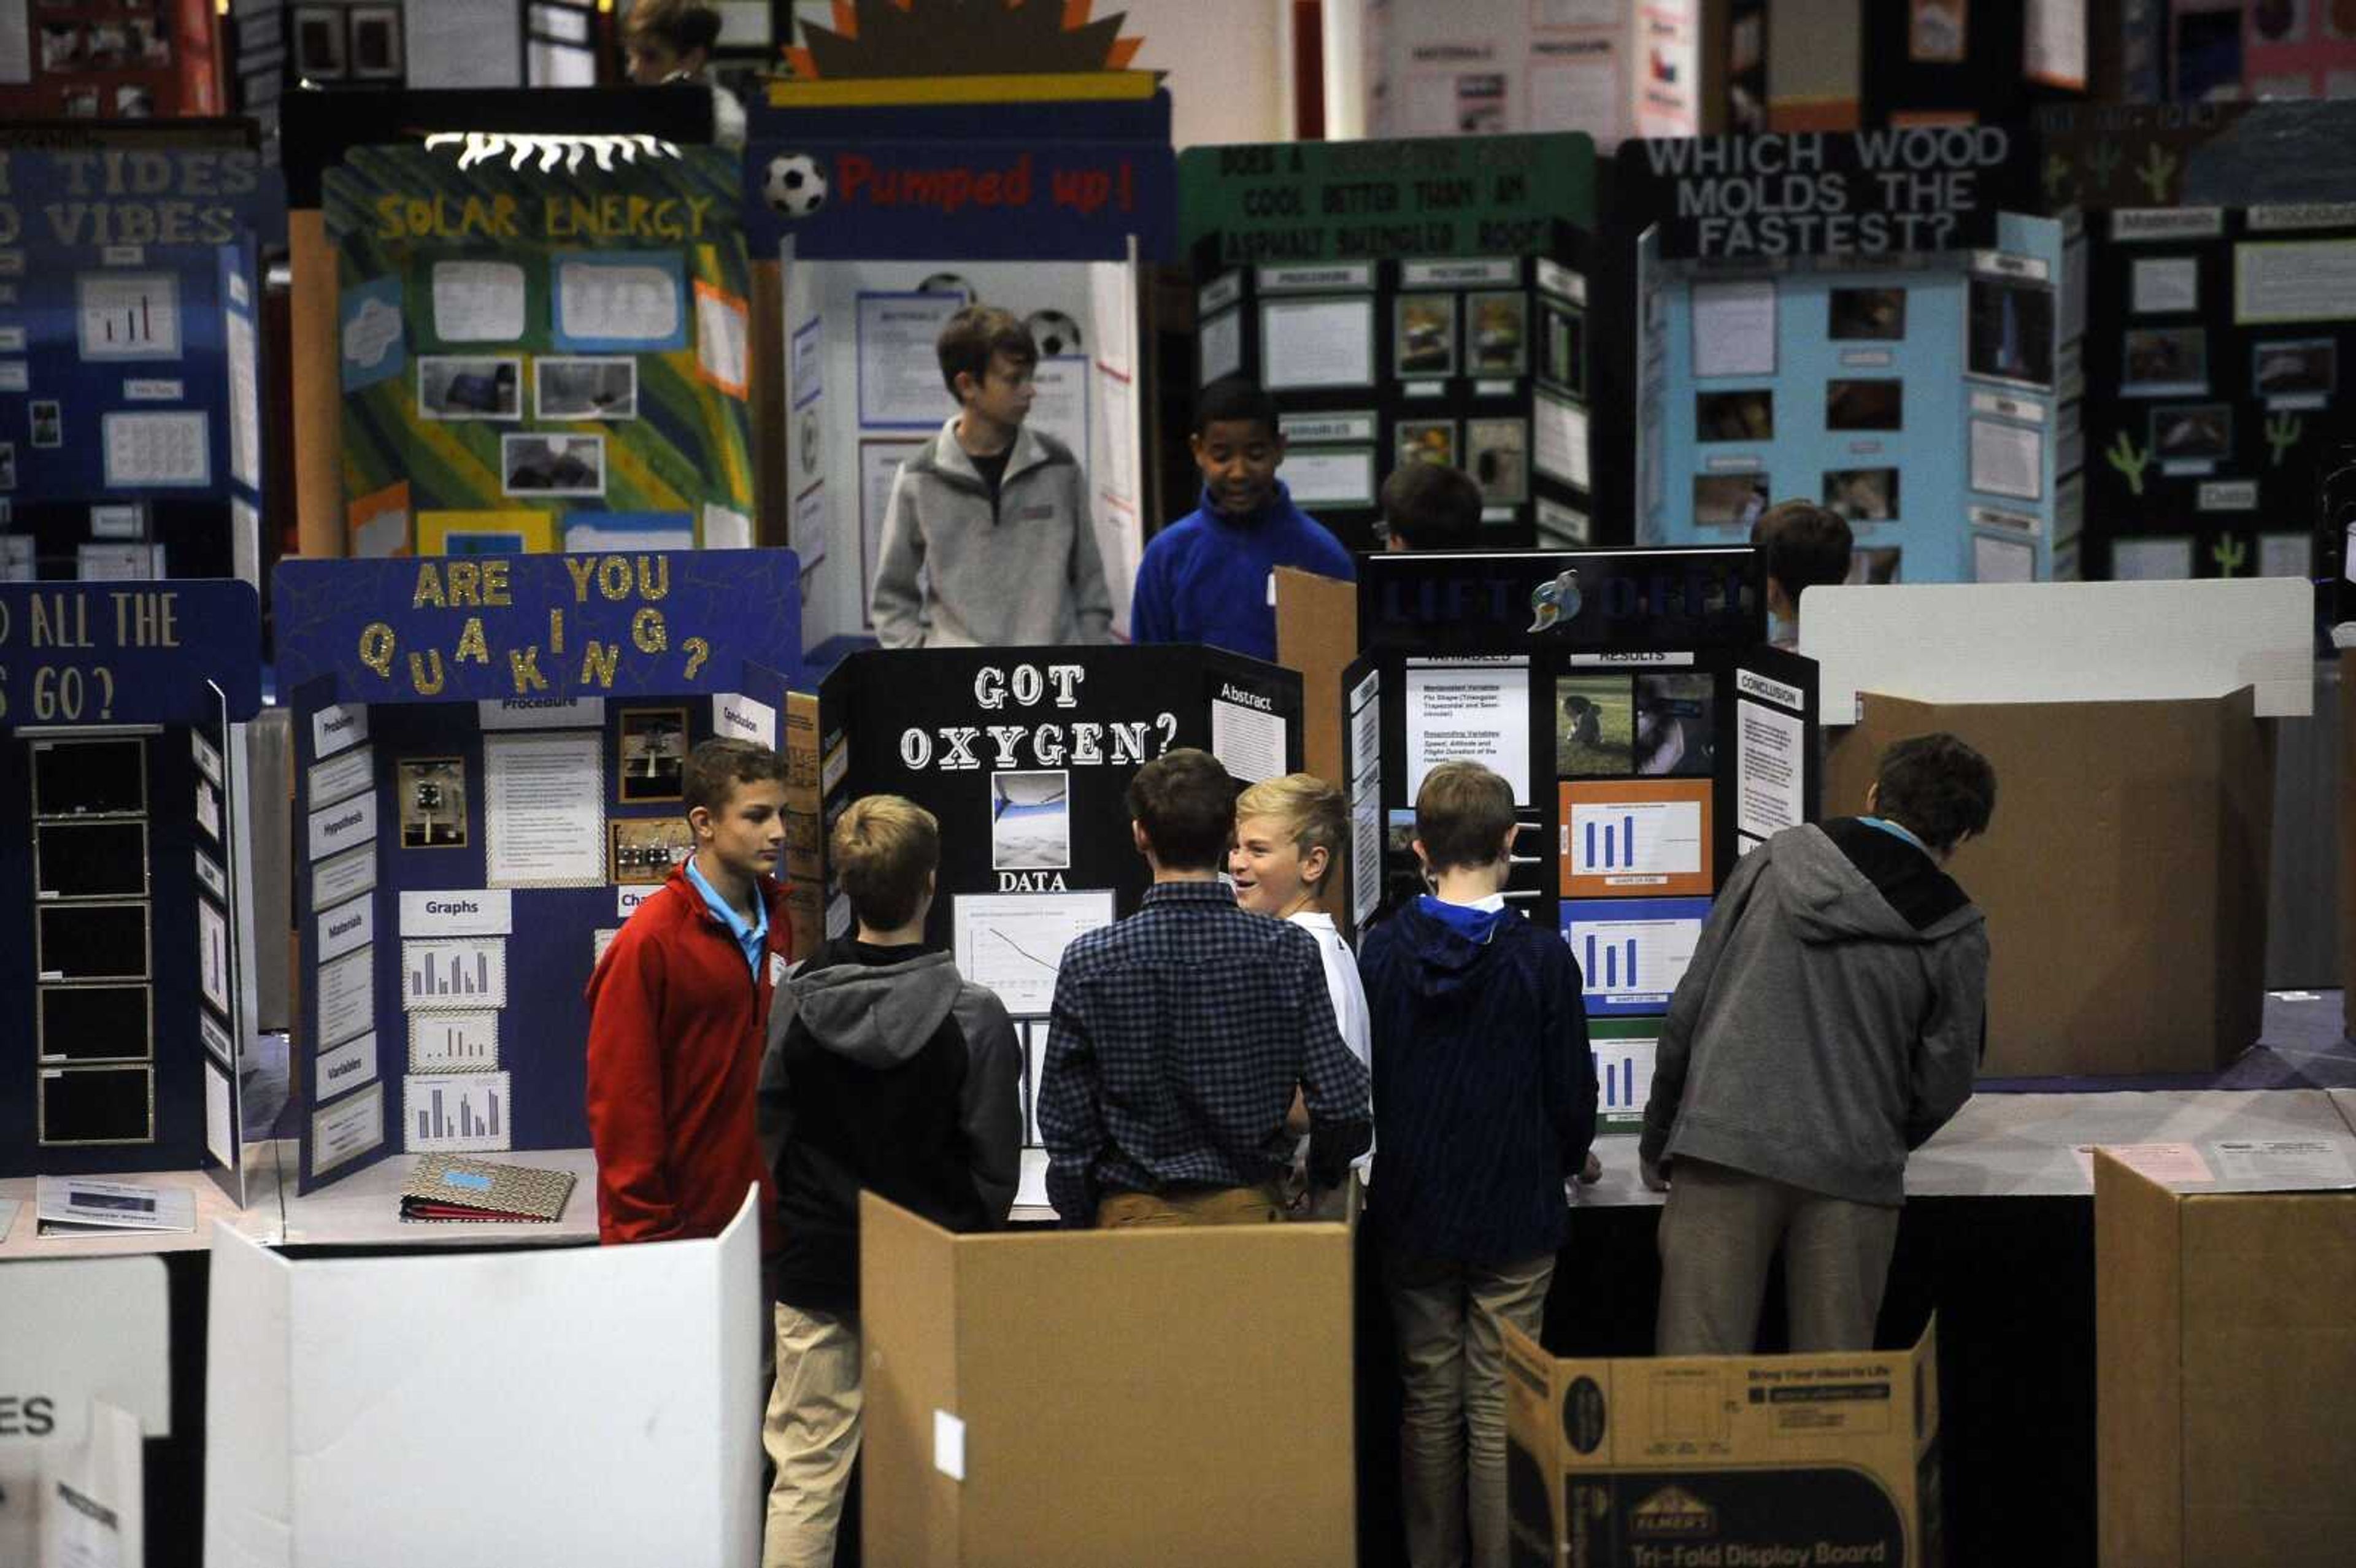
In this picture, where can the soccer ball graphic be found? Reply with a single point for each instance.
(1054, 333)
(796, 186)
(949, 283)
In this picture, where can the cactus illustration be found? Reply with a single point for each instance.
(2102, 163)
(2231, 553)
(2129, 459)
(2057, 174)
(2159, 166)
(2283, 432)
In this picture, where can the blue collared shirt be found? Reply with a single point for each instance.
(752, 938)
(1895, 831)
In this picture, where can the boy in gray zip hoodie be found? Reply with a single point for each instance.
(1831, 1021)
(989, 539)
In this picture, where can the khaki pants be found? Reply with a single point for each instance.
(1190, 1206)
(1452, 1362)
(1717, 1235)
(812, 1434)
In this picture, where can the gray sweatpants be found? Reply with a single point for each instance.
(1719, 1231)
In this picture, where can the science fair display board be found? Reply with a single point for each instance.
(125, 914)
(1650, 736)
(2221, 259)
(101, 60)
(1948, 61)
(488, 756)
(1025, 755)
(890, 212)
(1866, 320)
(544, 344)
(1406, 302)
(131, 427)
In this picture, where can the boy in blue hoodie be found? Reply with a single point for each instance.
(1485, 1106)
(1210, 577)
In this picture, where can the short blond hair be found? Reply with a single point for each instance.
(883, 849)
(1313, 814)
(1462, 815)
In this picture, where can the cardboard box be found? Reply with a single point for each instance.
(2225, 1372)
(1724, 1461)
(805, 859)
(2125, 874)
(1175, 1396)
(1317, 635)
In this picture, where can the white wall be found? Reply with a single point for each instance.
(1226, 65)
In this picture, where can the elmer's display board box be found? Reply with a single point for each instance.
(1724, 1461)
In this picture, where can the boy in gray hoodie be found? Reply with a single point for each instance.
(885, 1070)
(1831, 1021)
(989, 539)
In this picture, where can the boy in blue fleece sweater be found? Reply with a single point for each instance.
(1210, 577)
(1485, 1106)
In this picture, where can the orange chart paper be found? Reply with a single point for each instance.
(1649, 837)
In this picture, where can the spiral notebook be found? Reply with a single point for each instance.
(448, 1188)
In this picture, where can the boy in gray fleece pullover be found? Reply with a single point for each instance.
(1831, 1021)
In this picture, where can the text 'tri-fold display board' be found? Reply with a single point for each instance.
(1407, 302)
(2220, 246)
(124, 913)
(891, 205)
(1025, 755)
(1650, 736)
(131, 427)
(489, 778)
(1865, 321)
(543, 343)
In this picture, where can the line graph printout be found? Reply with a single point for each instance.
(1014, 943)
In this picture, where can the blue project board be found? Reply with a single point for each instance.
(487, 753)
(122, 918)
(131, 430)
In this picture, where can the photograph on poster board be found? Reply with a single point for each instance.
(1424, 335)
(49, 424)
(1500, 330)
(1497, 456)
(2304, 367)
(1868, 315)
(652, 761)
(319, 42)
(1877, 564)
(2008, 332)
(456, 387)
(1031, 821)
(1594, 725)
(1735, 416)
(2164, 361)
(375, 43)
(1863, 495)
(1630, 837)
(1677, 724)
(553, 465)
(432, 795)
(1729, 500)
(1937, 31)
(1562, 347)
(2192, 432)
(645, 848)
(601, 387)
(1874, 404)
(1427, 441)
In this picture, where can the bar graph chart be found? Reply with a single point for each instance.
(1633, 952)
(1635, 836)
(1625, 1053)
(454, 1042)
(457, 1112)
(128, 315)
(463, 973)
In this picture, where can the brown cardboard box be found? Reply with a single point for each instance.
(1317, 633)
(1724, 1461)
(2226, 1374)
(1147, 1396)
(2125, 874)
(805, 858)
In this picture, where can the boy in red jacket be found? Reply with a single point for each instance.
(678, 1013)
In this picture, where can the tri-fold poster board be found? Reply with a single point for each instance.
(489, 770)
(543, 343)
(1025, 756)
(1407, 302)
(1650, 736)
(126, 967)
(889, 213)
(130, 366)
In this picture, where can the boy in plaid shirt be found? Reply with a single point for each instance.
(1181, 1033)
